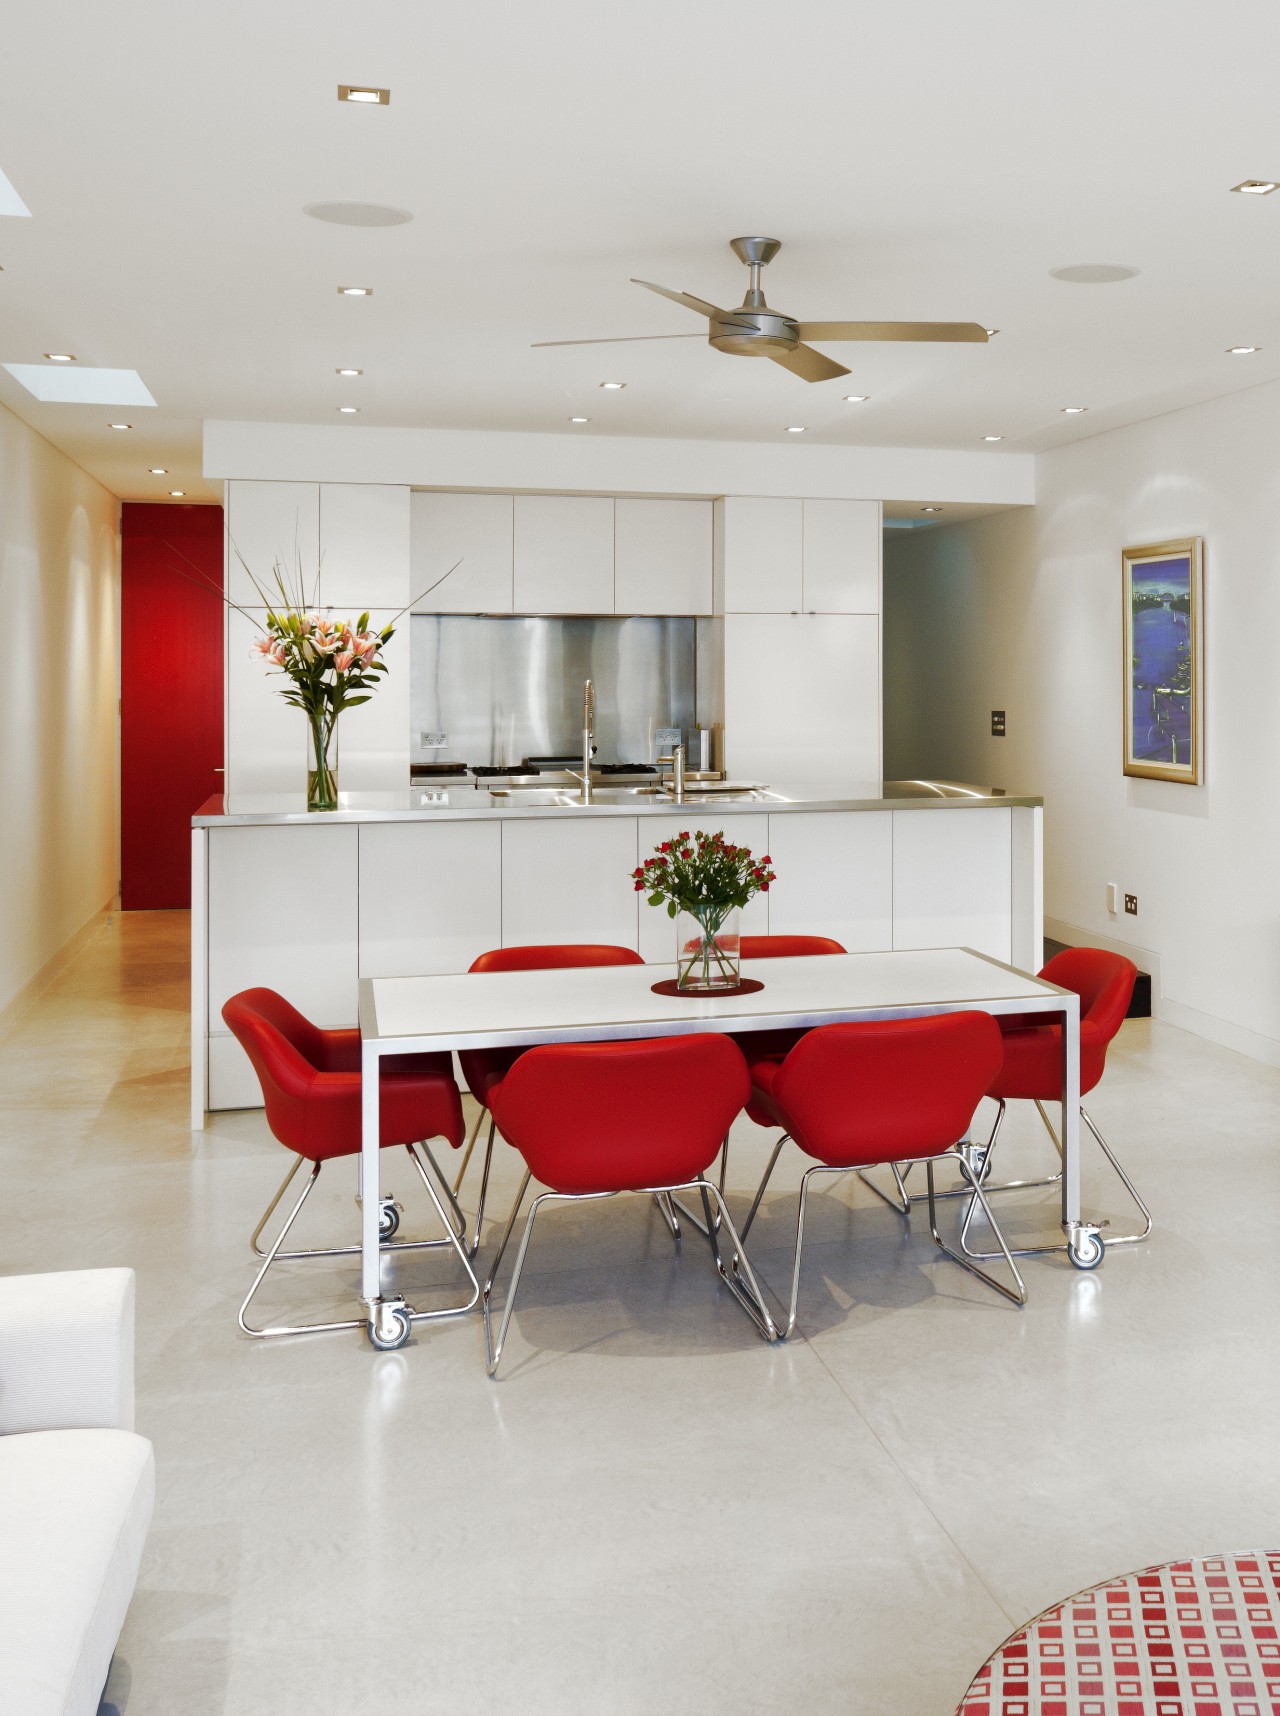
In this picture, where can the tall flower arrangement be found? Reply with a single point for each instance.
(706, 877)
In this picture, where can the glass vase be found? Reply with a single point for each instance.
(709, 949)
(322, 765)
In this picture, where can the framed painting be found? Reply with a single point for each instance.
(1164, 666)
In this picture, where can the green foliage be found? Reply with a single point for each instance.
(704, 875)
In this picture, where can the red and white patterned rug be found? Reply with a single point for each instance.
(1190, 1638)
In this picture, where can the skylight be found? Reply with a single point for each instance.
(10, 202)
(80, 386)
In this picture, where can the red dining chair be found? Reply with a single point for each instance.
(885, 1090)
(311, 1083)
(482, 1068)
(595, 1119)
(1032, 1072)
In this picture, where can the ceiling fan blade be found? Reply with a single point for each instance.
(894, 331)
(685, 298)
(808, 364)
(616, 340)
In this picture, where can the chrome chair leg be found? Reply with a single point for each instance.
(901, 1205)
(471, 1144)
(666, 1207)
(760, 1190)
(272, 1256)
(484, 1188)
(386, 1244)
(1017, 1296)
(983, 1152)
(271, 1207)
(459, 1220)
(454, 1240)
(684, 1209)
(737, 1275)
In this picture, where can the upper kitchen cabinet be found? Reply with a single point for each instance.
(473, 534)
(563, 554)
(759, 556)
(364, 547)
(662, 557)
(270, 524)
(842, 540)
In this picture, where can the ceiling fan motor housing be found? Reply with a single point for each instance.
(751, 332)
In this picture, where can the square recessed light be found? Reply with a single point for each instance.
(355, 291)
(158, 470)
(579, 420)
(1242, 351)
(348, 372)
(1073, 410)
(930, 509)
(795, 428)
(613, 386)
(1257, 187)
(364, 93)
(993, 437)
(119, 425)
(177, 494)
(10, 202)
(59, 386)
(348, 410)
(856, 398)
(60, 357)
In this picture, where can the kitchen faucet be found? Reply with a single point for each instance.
(588, 737)
(676, 759)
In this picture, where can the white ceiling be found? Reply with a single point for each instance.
(930, 161)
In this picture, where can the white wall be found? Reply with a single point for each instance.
(59, 594)
(1022, 612)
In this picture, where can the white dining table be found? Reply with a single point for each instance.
(516, 1009)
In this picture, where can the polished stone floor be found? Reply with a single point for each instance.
(652, 1511)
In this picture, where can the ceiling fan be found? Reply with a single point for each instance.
(754, 330)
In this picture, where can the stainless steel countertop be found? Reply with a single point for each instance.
(446, 802)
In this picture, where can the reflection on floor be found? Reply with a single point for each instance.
(652, 1511)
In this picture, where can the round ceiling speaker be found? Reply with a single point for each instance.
(357, 214)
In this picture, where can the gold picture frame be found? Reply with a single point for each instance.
(1163, 597)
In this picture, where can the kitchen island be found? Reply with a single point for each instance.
(421, 881)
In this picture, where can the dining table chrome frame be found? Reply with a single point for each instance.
(387, 1315)
(737, 1274)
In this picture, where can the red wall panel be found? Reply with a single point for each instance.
(171, 630)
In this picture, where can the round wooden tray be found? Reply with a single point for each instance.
(747, 986)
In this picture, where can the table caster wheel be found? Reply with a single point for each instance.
(1085, 1249)
(388, 1219)
(388, 1328)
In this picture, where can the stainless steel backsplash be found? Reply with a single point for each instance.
(497, 690)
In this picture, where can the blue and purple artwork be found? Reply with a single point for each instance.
(1162, 600)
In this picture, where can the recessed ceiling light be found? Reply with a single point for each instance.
(992, 332)
(348, 372)
(579, 420)
(1073, 410)
(1257, 187)
(60, 357)
(357, 214)
(1093, 273)
(613, 386)
(993, 437)
(795, 428)
(356, 291)
(158, 470)
(1242, 351)
(856, 398)
(119, 425)
(348, 410)
(365, 94)
(176, 494)
(930, 509)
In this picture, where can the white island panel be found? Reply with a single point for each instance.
(430, 896)
(952, 880)
(569, 880)
(835, 878)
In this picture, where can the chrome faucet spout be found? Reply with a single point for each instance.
(588, 737)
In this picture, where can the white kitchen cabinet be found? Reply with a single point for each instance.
(842, 544)
(657, 930)
(762, 551)
(662, 556)
(266, 745)
(279, 916)
(802, 697)
(373, 738)
(476, 530)
(430, 896)
(952, 880)
(563, 554)
(835, 877)
(364, 547)
(569, 879)
(268, 523)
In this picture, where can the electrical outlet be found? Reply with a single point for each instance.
(997, 723)
(1131, 904)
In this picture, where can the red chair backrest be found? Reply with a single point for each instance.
(555, 955)
(611, 1117)
(882, 1090)
(287, 1053)
(787, 946)
(1103, 981)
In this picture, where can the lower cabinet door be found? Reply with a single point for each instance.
(835, 877)
(952, 880)
(430, 896)
(569, 880)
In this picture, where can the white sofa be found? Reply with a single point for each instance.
(76, 1486)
